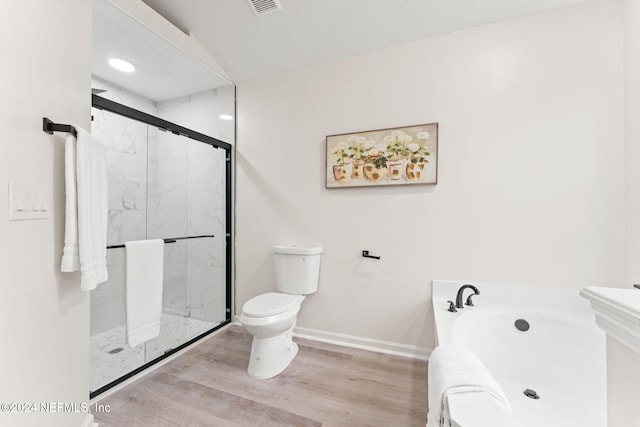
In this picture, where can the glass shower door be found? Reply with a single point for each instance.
(126, 157)
(187, 201)
(168, 186)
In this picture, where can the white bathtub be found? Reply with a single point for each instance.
(561, 356)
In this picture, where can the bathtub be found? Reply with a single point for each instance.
(561, 356)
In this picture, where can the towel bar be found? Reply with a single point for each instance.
(169, 240)
(50, 127)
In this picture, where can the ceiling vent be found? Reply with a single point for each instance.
(262, 7)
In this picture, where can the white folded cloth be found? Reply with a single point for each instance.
(91, 172)
(70, 253)
(143, 288)
(455, 370)
(86, 209)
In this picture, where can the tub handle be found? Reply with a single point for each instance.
(452, 307)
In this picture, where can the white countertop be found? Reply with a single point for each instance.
(617, 312)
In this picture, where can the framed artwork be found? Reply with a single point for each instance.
(397, 156)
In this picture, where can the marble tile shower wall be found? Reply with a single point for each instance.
(201, 112)
(126, 143)
(206, 215)
(123, 96)
(161, 185)
(188, 198)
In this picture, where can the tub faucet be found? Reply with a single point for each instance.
(461, 291)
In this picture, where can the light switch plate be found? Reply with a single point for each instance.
(27, 200)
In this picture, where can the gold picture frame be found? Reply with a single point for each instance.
(406, 155)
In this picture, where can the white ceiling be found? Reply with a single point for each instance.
(314, 31)
(162, 71)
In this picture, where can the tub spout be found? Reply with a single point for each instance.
(461, 291)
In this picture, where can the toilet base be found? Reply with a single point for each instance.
(270, 356)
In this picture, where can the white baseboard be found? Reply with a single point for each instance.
(88, 421)
(379, 346)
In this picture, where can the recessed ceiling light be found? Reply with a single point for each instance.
(122, 65)
(225, 117)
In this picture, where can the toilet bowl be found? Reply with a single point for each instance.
(271, 317)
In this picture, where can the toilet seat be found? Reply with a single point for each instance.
(270, 304)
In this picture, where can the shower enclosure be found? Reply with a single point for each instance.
(165, 181)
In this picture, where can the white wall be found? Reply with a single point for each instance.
(44, 316)
(531, 170)
(623, 372)
(632, 135)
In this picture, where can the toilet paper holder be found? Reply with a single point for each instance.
(366, 255)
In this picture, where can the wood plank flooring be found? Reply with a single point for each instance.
(325, 385)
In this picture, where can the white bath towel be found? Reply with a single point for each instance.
(70, 253)
(143, 284)
(85, 233)
(91, 175)
(454, 370)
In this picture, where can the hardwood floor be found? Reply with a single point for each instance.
(325, 385)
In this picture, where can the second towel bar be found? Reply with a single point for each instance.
(170, 240)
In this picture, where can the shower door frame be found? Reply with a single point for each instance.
(164, 125)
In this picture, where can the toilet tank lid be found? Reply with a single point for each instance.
(297, 250)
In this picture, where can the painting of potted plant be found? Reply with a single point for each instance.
(375, 161)
(342, 169)
(357, 153)
(418, 157)
(397, 142)
(404, 155)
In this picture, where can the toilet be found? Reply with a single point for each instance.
(270, 317)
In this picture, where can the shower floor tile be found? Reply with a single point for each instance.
(112, 358)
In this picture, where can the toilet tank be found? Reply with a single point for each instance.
(297, 269)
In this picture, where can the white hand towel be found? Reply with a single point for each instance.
(91, 174)
(143, 284)
(457, 370)
(70, 253)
